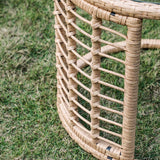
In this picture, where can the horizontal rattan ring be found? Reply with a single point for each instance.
(129, 8)
(81, 136)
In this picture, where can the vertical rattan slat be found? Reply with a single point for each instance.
(57, 25)
(72, 72)
(132, 62)
(95, 89)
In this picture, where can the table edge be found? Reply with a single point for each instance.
(129, 8)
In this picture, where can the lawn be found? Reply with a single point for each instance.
(29, 124)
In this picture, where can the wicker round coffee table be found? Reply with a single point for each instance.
(81, 111)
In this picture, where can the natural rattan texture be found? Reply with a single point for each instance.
(70, 63)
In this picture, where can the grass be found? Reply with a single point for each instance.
(29, 124)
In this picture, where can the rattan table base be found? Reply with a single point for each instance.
(70, 64)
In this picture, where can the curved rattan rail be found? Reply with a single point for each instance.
(70, 63)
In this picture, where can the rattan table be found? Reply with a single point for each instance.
(71, 63)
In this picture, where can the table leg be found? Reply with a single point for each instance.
(132, 63)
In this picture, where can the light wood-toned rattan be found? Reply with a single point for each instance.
(70, 63)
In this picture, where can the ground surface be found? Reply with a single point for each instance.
(29, 124)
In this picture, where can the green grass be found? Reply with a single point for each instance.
(29, 124)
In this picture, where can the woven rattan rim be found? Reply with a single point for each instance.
(129, 8)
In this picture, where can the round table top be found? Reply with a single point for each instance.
(149, 9)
